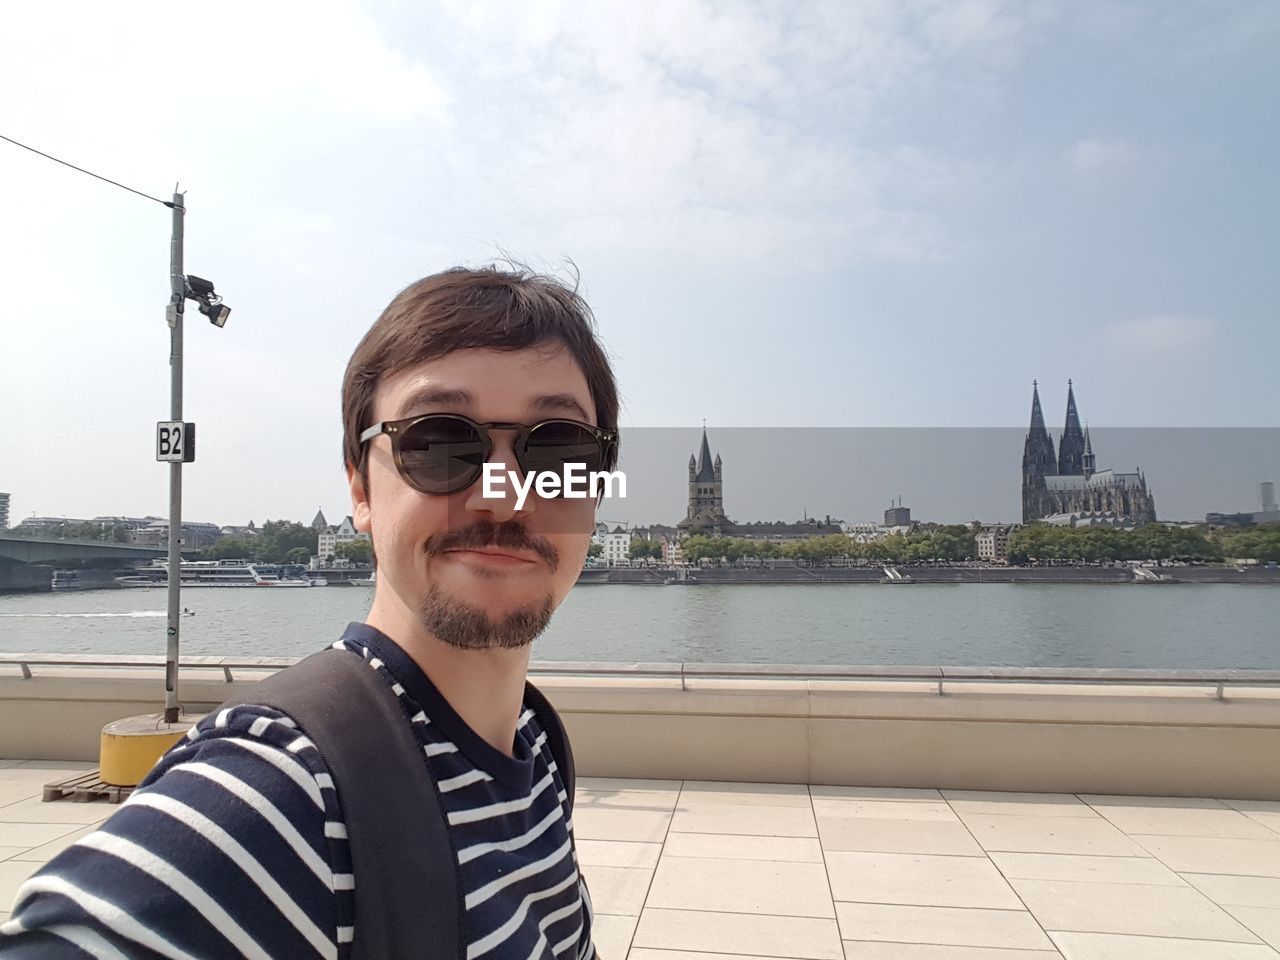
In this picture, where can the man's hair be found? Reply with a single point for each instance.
(459, 309)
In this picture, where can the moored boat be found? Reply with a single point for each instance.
(224, 573)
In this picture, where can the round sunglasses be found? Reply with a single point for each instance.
(440, 453)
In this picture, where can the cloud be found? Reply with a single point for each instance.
(744, 134)
(1096, 158)
(1166, 335)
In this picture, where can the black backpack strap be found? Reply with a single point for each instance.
(407, 901)
(557, 739)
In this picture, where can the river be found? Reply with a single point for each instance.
(1043, 625)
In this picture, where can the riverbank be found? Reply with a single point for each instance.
(657, 576)
(32, 579)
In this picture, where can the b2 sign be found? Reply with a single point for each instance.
(175, 441)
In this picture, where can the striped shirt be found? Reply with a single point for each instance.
(234, 846)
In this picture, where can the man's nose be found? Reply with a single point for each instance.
(504, 505)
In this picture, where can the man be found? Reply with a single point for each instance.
(235, 845)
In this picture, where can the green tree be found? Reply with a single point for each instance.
(642, 549)
(594, 550)
(233, 548)
(299, 555)
(278, 537)
(355, 551)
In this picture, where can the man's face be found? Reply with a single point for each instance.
(476, 572)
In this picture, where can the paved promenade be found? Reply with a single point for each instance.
(718, 871)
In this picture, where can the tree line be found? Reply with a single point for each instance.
(1033, 542)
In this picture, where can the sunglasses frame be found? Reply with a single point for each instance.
(396, 429)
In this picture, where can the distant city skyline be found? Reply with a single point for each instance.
(943, 475)
(825, 215)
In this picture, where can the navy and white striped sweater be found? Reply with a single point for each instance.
(234, 846)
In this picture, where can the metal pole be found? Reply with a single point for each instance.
(178, 294)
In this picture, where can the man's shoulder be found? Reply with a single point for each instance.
(242, 803)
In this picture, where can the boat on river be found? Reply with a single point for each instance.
(224, 573)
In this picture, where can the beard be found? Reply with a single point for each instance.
(465, 627)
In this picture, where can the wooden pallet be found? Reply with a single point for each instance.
(85, 787)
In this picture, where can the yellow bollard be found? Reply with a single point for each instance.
(129, 748)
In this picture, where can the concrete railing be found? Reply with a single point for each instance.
(1146, 732)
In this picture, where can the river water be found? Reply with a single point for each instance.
(1070, 625)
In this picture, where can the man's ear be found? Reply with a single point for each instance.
(361, 515)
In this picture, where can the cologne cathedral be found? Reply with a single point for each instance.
(1068, 482)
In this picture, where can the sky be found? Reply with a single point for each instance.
(832, 214)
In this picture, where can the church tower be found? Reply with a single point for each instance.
(1089, 460)
(1071, 446)
(706, 492)
(1038, 461)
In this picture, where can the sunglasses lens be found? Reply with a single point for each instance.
(558, 442)
(441, 454)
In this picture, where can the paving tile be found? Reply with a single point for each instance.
(648, 800)
(1183, 820)
(1131, 908)
(1065, 866)
(696, 792)
(631, 786)
(918, 879)
(32, 834)
(43, 771)
(1254, 806)
(1010, 929)
(14, 790)
(663, 800)
(47, 851)
(1237, 891)
(617, 853)
(866, 950)
(904, 794)
(745, 818)
(884, 810)
(645, 826)
(611, 934)
(1050, 835)
(775, 887)
(730, 846)
(1026, 804)
(35, 810)
(13, 873)
(1250, 858)
(1269, 819)
(752, 934)
(618, 890)
(1264, 922)
(896, 836)
(1110, 946)
(1171, 803)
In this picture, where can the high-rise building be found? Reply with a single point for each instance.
(4, 511)
(1266, 488)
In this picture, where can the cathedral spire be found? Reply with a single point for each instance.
(1037, 415)
(1038, 461)
(1071, 446)
(1089, 461)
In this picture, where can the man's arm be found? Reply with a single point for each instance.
(233, 847)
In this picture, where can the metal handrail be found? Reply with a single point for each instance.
(707, 671)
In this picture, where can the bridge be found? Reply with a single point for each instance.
(16, 549)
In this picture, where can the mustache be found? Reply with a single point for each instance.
(508, 535)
